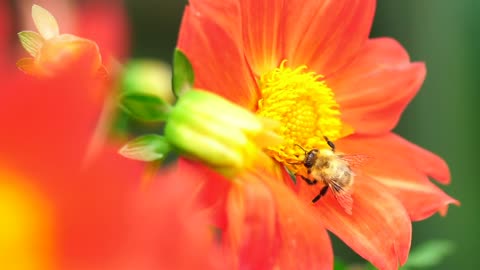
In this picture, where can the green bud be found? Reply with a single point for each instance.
(149, 77)
(211, 129)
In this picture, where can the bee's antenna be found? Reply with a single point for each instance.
(330, 143)
(301, 148)
(301, 162)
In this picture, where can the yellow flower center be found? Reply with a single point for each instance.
(306, 108)
(26, 225)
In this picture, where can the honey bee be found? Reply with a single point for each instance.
(333, 171)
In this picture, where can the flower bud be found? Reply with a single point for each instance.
(149, 77)
(53, 53)
(211, 129)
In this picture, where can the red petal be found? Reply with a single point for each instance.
(421, 198)
(263, 36)
(91, 210)
(170, 228)
(46, 122)
(251, 225)
(391, 145)
(105, 220)
(325, 35)
(394, 168)
(217, 58)
(306, 244)
(5, 29)
(214, 192)
(376, 87)
(225, 13)
(379, 228)
(106, 24)
(272, 227)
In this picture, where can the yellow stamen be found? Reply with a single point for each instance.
(306, 108)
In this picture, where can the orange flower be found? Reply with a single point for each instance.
(61, 211)
(312, 67)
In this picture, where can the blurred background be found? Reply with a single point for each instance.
(442, 118)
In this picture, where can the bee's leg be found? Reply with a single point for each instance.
(330, 143)
(309, 181)
(295, 163)
(322, 193)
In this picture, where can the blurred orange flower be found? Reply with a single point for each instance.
(61, 211)
(312, 67)
(53, 52)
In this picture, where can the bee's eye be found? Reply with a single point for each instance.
(310, 159)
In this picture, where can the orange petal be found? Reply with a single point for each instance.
(28, 66)
(29, 105)
(272, 228)
(251, 225)
(325, 35)
(217, 59)
(263, 33)
(422, 199)
(225, 13)
(379, 228)
(376, 87)
(106, 24)
(305, 242)
(170, 228)
(104, 220)
(390, 145)
(394, 169)
(215, 188)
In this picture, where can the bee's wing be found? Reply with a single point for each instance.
(354, 160)
(343, 196)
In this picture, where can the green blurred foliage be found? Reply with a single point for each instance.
(442, 118)
(429, 254)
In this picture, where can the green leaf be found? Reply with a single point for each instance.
(31, 41)
(183, 76)
(292, 175)
(145, 106)
(339, 264)
(148, 147)
(429, 254)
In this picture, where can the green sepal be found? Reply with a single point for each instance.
(292, 175)
(183, 77)
(31, 41)
(145, 106)
(150, 147)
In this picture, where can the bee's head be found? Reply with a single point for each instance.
(310, 158)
